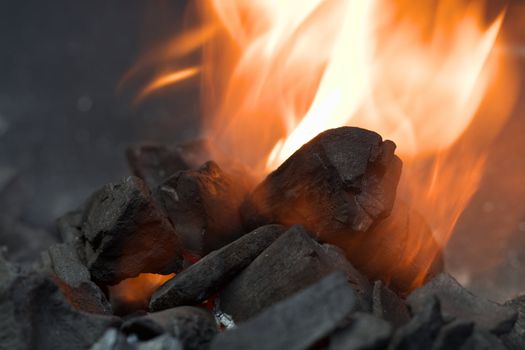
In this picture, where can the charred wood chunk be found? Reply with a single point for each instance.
(400, 249)
(459, 303)
(365, 332)
(453, 335)
(296, 323)
(515, 339)
(204, 278)
(127, 234)
(293, 262)
(203, 206)
(36, 315)
(422, 329)
(341, 182)
(388, 306)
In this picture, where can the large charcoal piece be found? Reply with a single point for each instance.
(365, 332)
(203, 206)
(458, 302)
(127, 234)
(343, 181)
(296, 323)
(293, 262)
(36, 315)
(204, 278)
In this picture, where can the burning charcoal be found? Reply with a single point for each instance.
(515, 339)
(459, 303)
(35, 314)
(296, 323)
(193, 327)
(482, 340)
(422, 329)
(366, 332)
(341, 182)
(405, 250)
(86, 297)
(453, 335)
(203, 206)
(388, 306)
(126, 234)
(293, 262)
(204, 278)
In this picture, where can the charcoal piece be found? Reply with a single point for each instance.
(204, 278)
(482, 340)
(421, 330)
(66, 264)
(406, 252)
(459, 303)
(341, 182)
(112, 340)
(203, 206)
(388, 306)
(453, 335)
(143, 328)
(154, 163)
(126, 234)
(296, 323)
(515, 339)
(36, 315)
(69, 226)
(293, 262)
(193, 327)
(366, 332)
(87, 297)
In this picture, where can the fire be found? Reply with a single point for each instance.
(138, 289)
(276, 73)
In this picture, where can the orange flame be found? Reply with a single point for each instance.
(138, 289)
(278, 72)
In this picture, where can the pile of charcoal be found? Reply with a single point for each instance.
(306, 259)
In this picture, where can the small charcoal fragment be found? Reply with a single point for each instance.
(193, 327)
(293, 262)
(341, 182)
(388, 306)
(515, 339)
(453, 335)
(459, 303)
(66, 264)
(204, 278)
(126, 234)
(482, 340)
(297, 322)
(421, 330)
(203, 206)
(366, 332)
(36, 315)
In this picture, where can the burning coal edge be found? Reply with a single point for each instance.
(317, 255)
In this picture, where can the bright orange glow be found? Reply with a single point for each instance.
(138, 289)
(166, 80)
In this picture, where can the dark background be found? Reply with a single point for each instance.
(64, 128)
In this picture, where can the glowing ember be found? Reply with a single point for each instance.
(138, 289)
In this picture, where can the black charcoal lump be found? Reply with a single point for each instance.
(204, 278)
(459, 303)
(127, 234)
(291, 263)
(295, 323)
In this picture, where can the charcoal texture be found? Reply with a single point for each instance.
(459, 303)
(366, 332)
(482, 340)
(341, 182)
(69, 226)
(293, 262)
(388, 306)
(422, 329)
(296, 323)
(67, 265)
(204, 278)
(127, 234)
(87, 297)
(113, 340)
(453, 335)
(515, 339)
(36, 315)
(203, 206)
